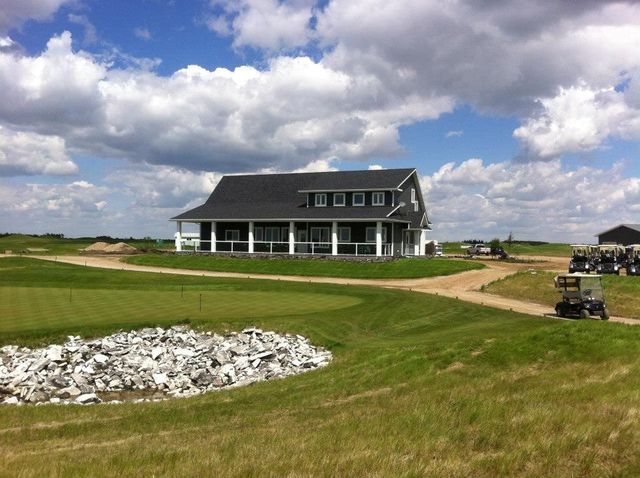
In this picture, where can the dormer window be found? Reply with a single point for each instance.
(321, 200)
(338, 199)
(378, 199)
(358, 199)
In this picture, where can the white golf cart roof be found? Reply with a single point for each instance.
(579, 274)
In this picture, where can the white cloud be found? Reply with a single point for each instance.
(375, 167)
(50, 201)
(31, 153)
(164, 186)
(579, 119)
(13, 13)
(283, 117)
(537, 200)
(142, 33)
(454, 134)
(269, 24)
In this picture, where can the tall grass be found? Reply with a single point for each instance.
(419, 386)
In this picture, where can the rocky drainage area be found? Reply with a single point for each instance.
(151, 364)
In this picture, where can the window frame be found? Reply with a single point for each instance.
(258, 233)
(353, 199)
(348, 229)
(366, 235)
(232, 231)
(344, 199)
(377, 194)
(318, 196)
(328, 231)
(268, 232)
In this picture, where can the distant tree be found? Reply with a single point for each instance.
(495, 243)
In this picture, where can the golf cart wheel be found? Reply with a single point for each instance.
(584, 314)
(605, 314)
(560, 311)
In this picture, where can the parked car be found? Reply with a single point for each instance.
(582, 296)
(438, 251)
(479, 250)
(499, 252)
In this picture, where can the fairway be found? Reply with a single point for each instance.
(419, 386)
(30, 309)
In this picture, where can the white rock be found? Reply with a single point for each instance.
(160, 378)
(100, 358)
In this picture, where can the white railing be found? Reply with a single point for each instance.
(279, 247)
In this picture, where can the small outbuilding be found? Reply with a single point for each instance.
(624, 234)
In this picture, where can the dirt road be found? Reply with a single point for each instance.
(464, 286)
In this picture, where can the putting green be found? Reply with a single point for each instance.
(25, 309)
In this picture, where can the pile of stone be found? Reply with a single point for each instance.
(151, 364)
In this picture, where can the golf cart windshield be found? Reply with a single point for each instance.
(579, 253)
(591, 288)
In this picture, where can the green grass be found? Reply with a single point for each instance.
(396, 269)
(19, 243)
(519, 249)
(622, 293)
(419, 386)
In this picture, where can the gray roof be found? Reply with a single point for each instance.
(635, 227)
(279, 196)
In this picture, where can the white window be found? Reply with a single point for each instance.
(338, 199)
(320, 234)
(258, 234)
(413, 200)
(358, 199)
(344, 234)
(321, 199)
(378, 199)
(371, 234)
(272, 234)
(232, 235)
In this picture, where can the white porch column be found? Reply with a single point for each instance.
(292, 238)
(334, 238)
(422, 241)
(214, 225)
(416, 243)
(379, 238)
(178, 236)
(250, 237)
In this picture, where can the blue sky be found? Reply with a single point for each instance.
(519, 118)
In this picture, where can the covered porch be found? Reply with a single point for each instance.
(335, 238)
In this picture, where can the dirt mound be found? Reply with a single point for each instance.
(120, 248)
(97, 247)
(106, 248)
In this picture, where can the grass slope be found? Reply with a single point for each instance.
(621, 293)
(401, 268)
(420, 386)
(18, 243)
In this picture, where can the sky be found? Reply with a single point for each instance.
(520, 117)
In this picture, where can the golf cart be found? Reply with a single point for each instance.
(633, 260)
(582, 296)
(611, 259)
(580, 258)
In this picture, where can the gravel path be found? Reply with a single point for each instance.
(464, 286)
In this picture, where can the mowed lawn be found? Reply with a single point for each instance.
(396, 269)
(420, 386)
(622, 293)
